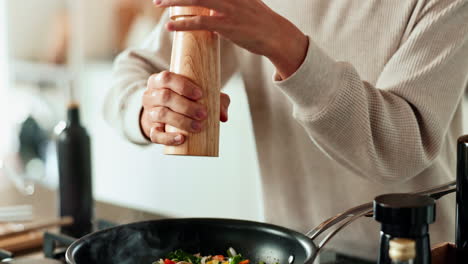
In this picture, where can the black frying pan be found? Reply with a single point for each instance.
(146, 242)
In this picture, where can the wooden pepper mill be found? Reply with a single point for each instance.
(196, 55)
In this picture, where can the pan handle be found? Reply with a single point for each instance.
(342, 220)
(327, 224)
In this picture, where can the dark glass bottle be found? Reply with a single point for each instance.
(462, 201)
(74, 161)
(405, 216)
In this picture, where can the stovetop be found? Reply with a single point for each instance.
(54, 246)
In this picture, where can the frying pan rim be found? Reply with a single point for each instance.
(302, 238)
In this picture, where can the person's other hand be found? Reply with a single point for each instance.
(172, 99)
(250, 24)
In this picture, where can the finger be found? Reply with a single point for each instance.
(177, 83)
(168, 139)
(162, 114)
(209, 23)
(219, 5)
(175, 102)
(225, 102)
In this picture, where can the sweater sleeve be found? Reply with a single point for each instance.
(394, 130)
(133, 67)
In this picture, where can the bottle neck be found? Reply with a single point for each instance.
(73, 115)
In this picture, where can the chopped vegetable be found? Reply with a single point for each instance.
(231, 252)
(168, 261)
(218, 257)
(181, 257)
(236, 259)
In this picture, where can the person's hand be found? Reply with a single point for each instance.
(172, 99)
(250, 24)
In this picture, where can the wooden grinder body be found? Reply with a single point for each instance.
(196, 55)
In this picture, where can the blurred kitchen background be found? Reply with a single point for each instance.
(46, 43)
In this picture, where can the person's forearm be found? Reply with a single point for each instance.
(288, 50)
(252, 25)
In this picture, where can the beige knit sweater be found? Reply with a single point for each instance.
(374, 108)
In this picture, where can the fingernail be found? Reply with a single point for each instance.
(196, 126)
(157, 2)
(197, 93)
(178, 139)
(201, 114)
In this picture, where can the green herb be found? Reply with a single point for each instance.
(236, 259)
(180, 255)
(231, 252)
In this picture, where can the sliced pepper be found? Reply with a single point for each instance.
(168, 261)
(245, 262)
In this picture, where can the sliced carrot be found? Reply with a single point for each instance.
(218, 257)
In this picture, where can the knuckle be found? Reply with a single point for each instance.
(199, 20)
(151, 81)
(160, 113)
(146, 94)
(164, 77)
(165, 95)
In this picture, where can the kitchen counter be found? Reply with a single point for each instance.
(44, 203)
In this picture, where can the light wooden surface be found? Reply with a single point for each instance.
(195, 54)
(22, 242)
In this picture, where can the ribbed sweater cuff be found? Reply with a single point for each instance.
(131, 118)
(314, 85)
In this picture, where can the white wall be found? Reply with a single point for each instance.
(29, 22)
(5, 135)
(3, 48)
(32, 20)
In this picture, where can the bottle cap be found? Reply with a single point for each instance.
(404, 209)
(402, 249)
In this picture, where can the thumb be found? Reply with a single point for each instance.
(225, 102)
